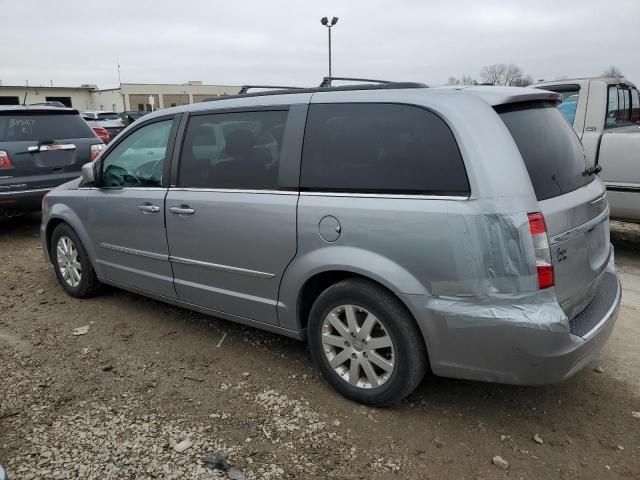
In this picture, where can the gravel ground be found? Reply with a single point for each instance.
(146, 393)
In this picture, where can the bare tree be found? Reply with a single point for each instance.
(503, 74)
(494, 74)
(467, 80)
(512, 75)
(612, 71)
(523, 81)
(464, 80)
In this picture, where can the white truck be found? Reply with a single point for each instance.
(605, 113)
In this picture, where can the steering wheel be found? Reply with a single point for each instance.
(120, 177)
(150, 171)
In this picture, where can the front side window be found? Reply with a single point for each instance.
(380, 148)
(138, 161)
(233, 150)
(612, 107)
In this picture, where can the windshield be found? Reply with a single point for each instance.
(551, 151)
(27, 126)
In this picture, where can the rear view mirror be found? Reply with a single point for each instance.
(88, 174)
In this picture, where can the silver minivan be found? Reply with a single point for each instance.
(398, 229)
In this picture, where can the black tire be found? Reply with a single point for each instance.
(88, 284)
(409, 351)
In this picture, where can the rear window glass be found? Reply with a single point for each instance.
(380, 148)
(108, 116)
(635, 106)
(18, 127)
(552, 153)
(619, 106)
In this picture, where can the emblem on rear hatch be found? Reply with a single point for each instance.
(561, 254)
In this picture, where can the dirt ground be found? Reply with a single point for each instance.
(113, 403)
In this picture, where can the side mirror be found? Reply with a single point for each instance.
(88, 174)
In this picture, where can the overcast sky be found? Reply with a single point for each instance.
(282, 42)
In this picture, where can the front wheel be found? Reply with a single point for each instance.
(71, 263)
(365, 343)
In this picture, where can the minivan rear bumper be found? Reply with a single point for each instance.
(515, 354)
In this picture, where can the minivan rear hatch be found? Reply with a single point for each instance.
(572, 200)
(46, 147)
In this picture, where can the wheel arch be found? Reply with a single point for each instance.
(61, 214)
(313, 273)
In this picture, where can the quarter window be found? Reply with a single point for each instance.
(233, 150)
(138, 161)
(380, 148)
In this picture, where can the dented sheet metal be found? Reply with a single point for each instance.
(494, 254)
(497, 281)
(538, 310)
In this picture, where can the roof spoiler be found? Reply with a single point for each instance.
(504, 95)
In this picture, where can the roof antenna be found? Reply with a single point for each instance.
(24, 102)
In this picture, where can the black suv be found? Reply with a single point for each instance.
(41, 147)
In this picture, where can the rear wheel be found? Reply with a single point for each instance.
(365, 343)
(71, 263)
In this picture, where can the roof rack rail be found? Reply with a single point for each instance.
(326, 81)
(341, 88)
(245, 88)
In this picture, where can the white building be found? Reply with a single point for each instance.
(129, 96)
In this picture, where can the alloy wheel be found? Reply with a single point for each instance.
(358, 346)
(68, 263)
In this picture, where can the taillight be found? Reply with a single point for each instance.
(101, 133)
(96, 150)
(5, 161)
(541, 248)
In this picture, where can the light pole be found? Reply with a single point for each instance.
(325, 21)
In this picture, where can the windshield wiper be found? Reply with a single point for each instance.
(592, 170)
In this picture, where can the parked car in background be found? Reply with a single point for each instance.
(129, 117)
(50, 103)
(605, 113)
(110, 121)
(99, 115)
(40, 148)
(397, 228)
(101, 132)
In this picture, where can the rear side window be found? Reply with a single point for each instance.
(380, 148)
(19, 126)
(551, 151)
(233, 150)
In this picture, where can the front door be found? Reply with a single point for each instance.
(231, 230)
(126, 211)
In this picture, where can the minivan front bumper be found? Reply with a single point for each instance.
(509, 353)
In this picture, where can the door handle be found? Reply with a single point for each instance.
(182, 210)
(148, 208)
